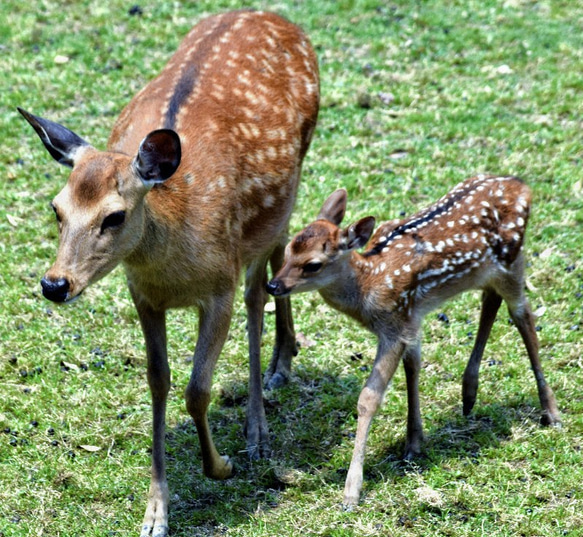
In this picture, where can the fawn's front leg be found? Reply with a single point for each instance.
(371, 396)
(412, 363)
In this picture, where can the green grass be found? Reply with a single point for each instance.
(476, 86)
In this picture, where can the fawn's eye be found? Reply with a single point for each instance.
(312, 268)
(113, 220)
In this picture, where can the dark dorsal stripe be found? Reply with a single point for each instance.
(181, 92)
(441, 207)
(189, 77)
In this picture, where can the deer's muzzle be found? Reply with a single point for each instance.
(56, 290)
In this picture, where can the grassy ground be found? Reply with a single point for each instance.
(415, 97)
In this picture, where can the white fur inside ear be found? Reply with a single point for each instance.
(148, 183)
(78, 153)
(353, 238)
(347, 239)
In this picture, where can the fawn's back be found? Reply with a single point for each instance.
(465, 240)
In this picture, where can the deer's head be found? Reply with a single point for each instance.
(100, 211)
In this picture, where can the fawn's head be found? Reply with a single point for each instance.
(100, 211)
(314, 257)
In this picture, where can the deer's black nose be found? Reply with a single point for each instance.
(55, 290)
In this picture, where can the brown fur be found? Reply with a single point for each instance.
(242, 92)
(470, 239)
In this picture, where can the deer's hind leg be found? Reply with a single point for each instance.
(285, 348)
(256, 429)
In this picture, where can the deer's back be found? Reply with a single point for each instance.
(242, 92)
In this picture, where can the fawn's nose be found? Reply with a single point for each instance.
(275, 287)
(55, 290)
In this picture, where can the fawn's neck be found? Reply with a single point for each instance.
(345, 293)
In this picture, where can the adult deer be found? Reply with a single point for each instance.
(198, 181)
(472, 238)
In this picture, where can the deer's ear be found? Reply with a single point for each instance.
(357, 235)
(334, 207)
(158, 157)
(62, 143)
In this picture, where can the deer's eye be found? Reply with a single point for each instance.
(312, 268)
(58, 216)
(113, 220)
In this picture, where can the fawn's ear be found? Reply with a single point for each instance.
(334, 207)
(357, 235)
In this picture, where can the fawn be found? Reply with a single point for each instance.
(198, 181)
(472, 238)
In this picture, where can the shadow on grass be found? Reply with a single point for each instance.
(308, 419)
(311, 420)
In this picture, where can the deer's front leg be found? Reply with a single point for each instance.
(214, 320)
(386, 362)
(154, 328)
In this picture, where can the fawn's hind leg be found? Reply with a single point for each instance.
(524, 321)
(512, 291)
(491, 301)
